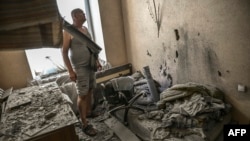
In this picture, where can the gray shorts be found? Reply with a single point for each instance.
(86, 80)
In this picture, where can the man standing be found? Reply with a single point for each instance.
(79, 68)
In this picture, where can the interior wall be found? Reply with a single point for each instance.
(14, 69)
(113, 31)
(199, 41)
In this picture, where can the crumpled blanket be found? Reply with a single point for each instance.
(196, 104)
(187, 108)
(184, 90)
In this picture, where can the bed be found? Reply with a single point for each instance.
(185, 112)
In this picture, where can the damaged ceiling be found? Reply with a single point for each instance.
(29, 24)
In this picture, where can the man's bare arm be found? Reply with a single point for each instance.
(65, 52)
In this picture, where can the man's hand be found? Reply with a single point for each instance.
(99, 66)
(72, 76)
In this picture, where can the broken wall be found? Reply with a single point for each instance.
(25, 25)
(199, 41)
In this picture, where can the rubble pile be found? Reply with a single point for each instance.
(34, 110)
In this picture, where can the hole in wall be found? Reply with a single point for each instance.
(176, 54)
(149, 54)
(177, 34)
(160, 67)
(219, 73)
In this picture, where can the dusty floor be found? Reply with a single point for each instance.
(104, 132)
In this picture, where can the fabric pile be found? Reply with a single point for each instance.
(187, 109)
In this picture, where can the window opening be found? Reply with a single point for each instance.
(95, 22)
(49, 60)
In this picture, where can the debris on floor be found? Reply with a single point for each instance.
(104, 132)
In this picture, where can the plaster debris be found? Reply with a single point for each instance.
(47, 110)
(35, 110)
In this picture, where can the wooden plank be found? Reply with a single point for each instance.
(64, 134)
(44, 35)
(6, 94)
(30, 24)
(16, 14)
(114, 75)
(114, 72)
(3, 107)
(34, 132)
(3, 111)
(121, 130)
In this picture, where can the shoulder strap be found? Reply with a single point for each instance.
(92, 46)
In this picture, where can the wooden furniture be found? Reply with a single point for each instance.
(66, 133)
(38, 113)
(106, 75)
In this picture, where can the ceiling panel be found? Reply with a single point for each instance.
(26, 24)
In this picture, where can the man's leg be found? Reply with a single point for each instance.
(89, 102)
(82, 106)
(82, 102)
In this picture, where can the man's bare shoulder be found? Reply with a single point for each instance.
(66, 35)
(85, 28)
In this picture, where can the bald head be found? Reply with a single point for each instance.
(78, 16)
(75, 11)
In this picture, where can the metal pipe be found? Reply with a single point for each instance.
(152, 88)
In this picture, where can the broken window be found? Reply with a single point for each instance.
(38, 59)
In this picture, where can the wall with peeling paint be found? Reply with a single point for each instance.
(199, 41)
